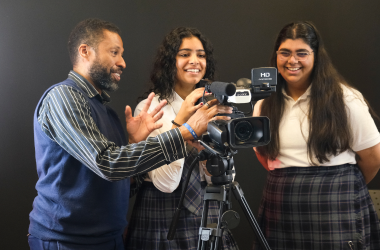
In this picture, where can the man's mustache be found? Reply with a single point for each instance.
(118, 70)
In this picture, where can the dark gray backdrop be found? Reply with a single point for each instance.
(33, 56)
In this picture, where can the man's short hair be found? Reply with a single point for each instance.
(90, 32)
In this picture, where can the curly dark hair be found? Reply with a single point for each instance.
(329, 130)
(164, 71)
(90, 32)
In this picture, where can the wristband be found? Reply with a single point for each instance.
(176, 123)
(191, 131)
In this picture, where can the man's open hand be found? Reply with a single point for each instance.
(141, 126)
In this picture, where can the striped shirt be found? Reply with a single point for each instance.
(65, 117)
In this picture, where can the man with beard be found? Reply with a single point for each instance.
(83, 159)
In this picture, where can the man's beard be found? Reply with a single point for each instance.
(102, 78)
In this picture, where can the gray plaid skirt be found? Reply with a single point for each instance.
(318, 208)
(151, 218)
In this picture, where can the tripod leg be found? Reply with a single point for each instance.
(202, 244)
(210, 236)
(217, 239)
(239, 195)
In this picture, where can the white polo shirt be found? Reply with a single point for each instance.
(294, 130)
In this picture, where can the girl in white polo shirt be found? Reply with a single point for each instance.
(183, 59)
(324, 148)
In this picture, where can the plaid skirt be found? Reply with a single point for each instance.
(318, 208)
(151, 218)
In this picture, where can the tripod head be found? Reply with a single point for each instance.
(219, 163)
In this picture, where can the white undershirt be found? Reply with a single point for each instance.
(294, 130)
(167, 178)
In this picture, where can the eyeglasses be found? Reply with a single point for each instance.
(299, 56)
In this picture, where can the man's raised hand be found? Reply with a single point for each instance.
(139, 127)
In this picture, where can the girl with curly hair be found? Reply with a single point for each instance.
(183, 59)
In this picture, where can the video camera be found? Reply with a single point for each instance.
(241, 131)
(221, 142)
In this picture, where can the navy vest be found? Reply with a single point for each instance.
(73, 203)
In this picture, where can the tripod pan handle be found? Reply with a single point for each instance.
(173, 225)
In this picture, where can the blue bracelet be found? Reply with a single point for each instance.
(191, 131)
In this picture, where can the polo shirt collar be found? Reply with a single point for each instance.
(303, 96)
(175, 101)
(87, 87)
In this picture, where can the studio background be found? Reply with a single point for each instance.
(33, 56)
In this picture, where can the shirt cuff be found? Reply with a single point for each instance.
(135, 187)
(172, 145)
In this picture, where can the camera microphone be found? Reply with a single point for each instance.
(221, 88)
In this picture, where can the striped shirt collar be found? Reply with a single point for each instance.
(87, 87)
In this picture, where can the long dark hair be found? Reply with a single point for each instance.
(329, 128)
(164, 70)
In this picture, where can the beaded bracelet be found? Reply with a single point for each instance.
(176, 123)
(191, 131)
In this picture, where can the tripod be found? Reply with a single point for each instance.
(220, 166)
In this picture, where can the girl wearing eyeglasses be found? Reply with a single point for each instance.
(324, 148)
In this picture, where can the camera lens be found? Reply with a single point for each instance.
(243, 130)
